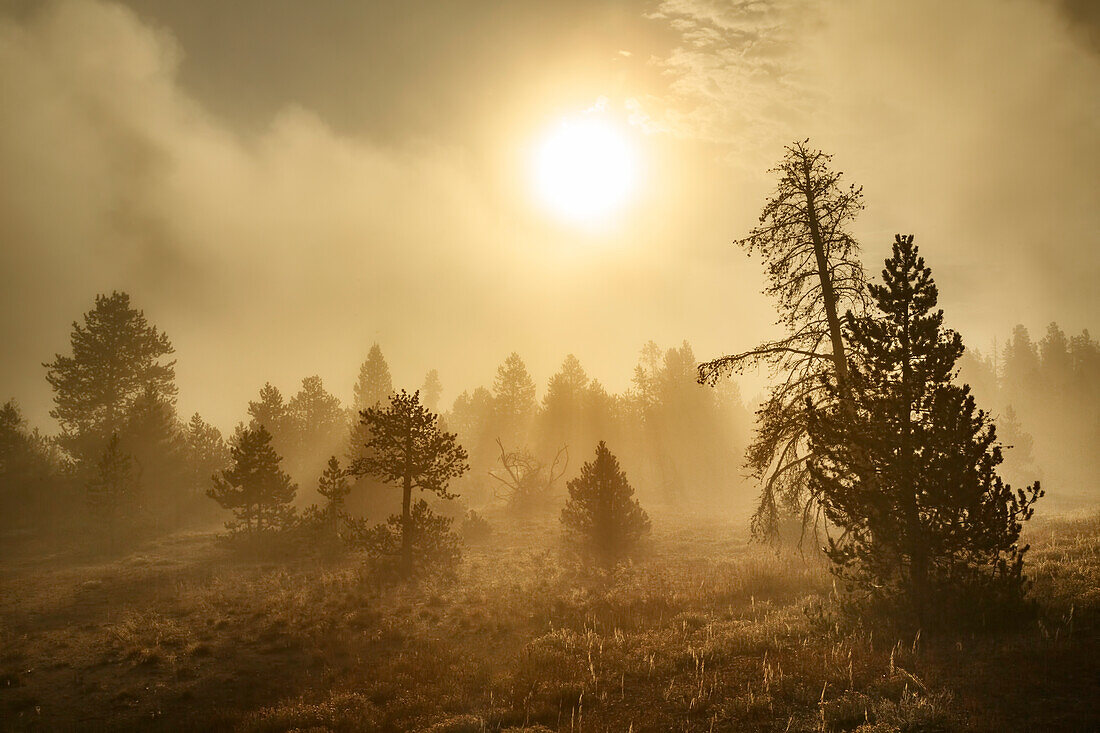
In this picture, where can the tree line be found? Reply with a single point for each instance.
(1046, 394)
(125, 462)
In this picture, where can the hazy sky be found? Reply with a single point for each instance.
(278, 185)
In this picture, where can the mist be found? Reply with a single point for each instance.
(630, 365)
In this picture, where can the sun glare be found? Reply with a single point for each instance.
(585, 170)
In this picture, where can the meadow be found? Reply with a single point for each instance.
(705, 631)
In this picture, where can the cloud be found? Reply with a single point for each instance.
(974, 124)
(290, 251)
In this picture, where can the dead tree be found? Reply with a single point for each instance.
(814, 276)
(525, 483)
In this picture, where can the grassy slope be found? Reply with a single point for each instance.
(705, 633)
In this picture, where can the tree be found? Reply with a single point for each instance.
(527, 484)
(373, 388)
(1055, 361)
(565, 418)
(814, 274)
(602, 518)
(206, 450)
(514, 398)
(374, 385)
(980, 372)
(333, 486)
(254, 487)
(432, 390)
(1021, 365)
(1020, 458)
(270, 410)
(909, 473)
(407, 447)
(205, 454)
(152, 439)
(110, 489)
(423, 540)
(28, 471)
(316, 427)
(116, 355)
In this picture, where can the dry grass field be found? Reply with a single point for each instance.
(706, 632)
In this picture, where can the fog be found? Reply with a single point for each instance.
(280, 203)
(633, 365)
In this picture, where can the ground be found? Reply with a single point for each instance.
(706, 631)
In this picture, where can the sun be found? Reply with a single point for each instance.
(585, 170)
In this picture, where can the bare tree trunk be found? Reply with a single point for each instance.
(828, 293)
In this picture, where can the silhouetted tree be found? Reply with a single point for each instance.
(526, 483)
(206, 454)
(373, 388)
(374, 385)
(909, 475)
(110, 488)
(473, 418)
(270, 411)
(254, 487)
(563, 418)
(316, 427)
(432, 390)
(334, 487)
(813, 274)
(116, 355)
(514, 399)
(152, 439)
(424, 541)
(29, 474)
(1021, 366)
(980, 372)
(602, 518)
(407, 447)
(1055, 361)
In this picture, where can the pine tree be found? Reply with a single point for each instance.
(372, 389)
(432, 390)
(602, 518)
(205, 454)
(116, 355)
(152, 439)
(334, 487)
(1018, 446)
(254, 487)
(270, 411)
(425, 537)
(1055, 361)
(814, 274)
(407, 447)
(316, 427)
(1021, 368)
(514, 398)
(374, 385)
(909, 475)
(562, 419)
(28, 471)
(110, 489)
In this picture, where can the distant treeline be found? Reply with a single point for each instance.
(1046, 398)
(115, 400)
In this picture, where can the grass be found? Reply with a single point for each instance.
(705, 632)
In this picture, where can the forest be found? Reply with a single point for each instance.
(898, 534)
